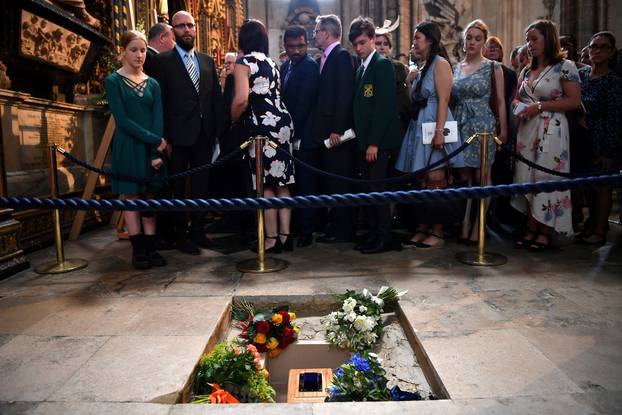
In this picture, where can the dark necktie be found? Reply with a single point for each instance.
(359, 74)
(288, 74)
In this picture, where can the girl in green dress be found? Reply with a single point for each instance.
(135, 102)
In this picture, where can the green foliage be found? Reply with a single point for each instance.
(234, 368)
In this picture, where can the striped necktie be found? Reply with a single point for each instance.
(192, 71)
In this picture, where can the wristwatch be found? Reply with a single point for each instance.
(539, 106)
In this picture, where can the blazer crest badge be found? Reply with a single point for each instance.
(368, 90)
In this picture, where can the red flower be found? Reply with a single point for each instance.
(285, 316)
(263, 327)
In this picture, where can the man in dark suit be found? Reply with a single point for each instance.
(160, 39)
(332, 116)
(377, 127)
(300, 77)
(192, 106)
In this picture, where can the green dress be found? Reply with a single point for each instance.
(137, 110)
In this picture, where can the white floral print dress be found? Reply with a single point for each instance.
(269, 118)
(544, 139)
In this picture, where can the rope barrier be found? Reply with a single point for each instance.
(389, 180)
(147, 180)
(349, 199)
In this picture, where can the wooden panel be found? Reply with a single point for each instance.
(295, 396)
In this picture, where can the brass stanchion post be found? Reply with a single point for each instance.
(481, 257)
(261, 264)
(61, 265)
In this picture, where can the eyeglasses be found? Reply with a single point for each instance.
(295, 47)
(493, 47)
(316, 31)
(184, 25)
(382, 44)
(599, 46)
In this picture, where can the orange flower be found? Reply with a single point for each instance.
(274, 352)
(277, 319)
(220, 395)
(272, 343)
(260, 338)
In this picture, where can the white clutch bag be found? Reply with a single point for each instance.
(450, 132)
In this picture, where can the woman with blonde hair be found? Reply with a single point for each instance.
(136, 104)
(474, 78)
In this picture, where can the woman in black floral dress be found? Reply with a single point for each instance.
(601, 94)
(257, 86)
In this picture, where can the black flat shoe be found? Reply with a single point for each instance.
(304, 240)
(277, 248)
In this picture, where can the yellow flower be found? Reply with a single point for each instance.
(260, 338)
(292, 316)
(277, 319)
(272, 343)
(296, 329)
(274, 352)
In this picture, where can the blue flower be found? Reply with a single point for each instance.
(360, 363)
(339, 373)
(333, 390)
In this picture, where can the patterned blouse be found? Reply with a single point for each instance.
(602, 99)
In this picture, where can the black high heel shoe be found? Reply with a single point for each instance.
(288, 245)
(276, 249)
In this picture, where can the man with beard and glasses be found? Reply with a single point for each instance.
(300, 77)
(192, 104)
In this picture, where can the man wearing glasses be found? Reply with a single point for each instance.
(332, 116)
(300, 77)
(192, 106)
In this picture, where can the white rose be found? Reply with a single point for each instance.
(270, 119)
(361, 324)
(261, 85)
(351, 317)
(362, 309)
(283, 135)
(269, 151)
(277, 168)
(252, 66)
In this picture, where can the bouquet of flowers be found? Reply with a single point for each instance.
(361, 379)
(269, 331)
(235, 368)
(357, 325)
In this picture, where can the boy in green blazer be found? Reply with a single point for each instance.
(376, 124)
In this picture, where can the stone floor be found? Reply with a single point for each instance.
(541, 334)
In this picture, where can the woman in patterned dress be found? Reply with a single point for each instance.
(257, 86)
(602, 98)
(548, 88)
(135, 101)
(471, 90)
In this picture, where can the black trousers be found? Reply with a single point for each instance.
(340, 160)
(305, 219)
(182, 159)
(378, 217)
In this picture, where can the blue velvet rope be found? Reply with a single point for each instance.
(349, 199)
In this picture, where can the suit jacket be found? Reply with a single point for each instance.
(300, 93)
(149, 58)
(187, 112)
(333, 109)
(376, 120)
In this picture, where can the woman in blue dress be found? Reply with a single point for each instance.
(430, 99)
(135, 101)
(471, 91)
(257, 86)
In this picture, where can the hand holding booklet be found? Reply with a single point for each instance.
(450, 132)
(347, 136)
